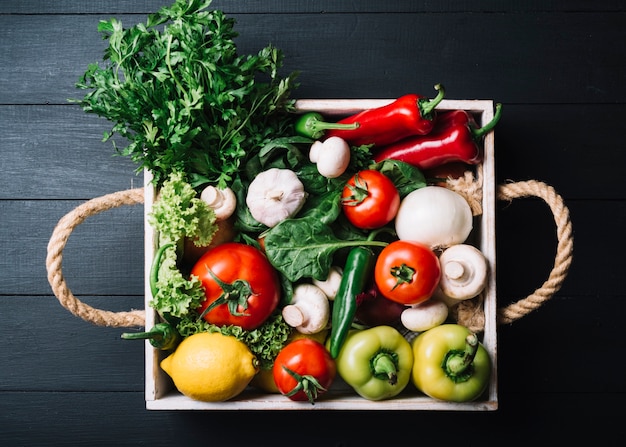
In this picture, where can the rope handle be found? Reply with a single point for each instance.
(564, 251)
(469, 314)
(54, 260)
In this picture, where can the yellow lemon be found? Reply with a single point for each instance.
(211, 367)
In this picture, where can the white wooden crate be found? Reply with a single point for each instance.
(160, 393)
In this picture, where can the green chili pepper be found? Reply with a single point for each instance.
(162, 336)
(312, 125)
(450, 364)
(356, 274)
(376, 362)
(156, 265)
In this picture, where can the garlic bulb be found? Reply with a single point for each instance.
(274, 195)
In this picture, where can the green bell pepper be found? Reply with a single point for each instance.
(376, 362)
(450, 364)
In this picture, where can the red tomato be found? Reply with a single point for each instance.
(407, 272)
(303, 370)
(370, 199)
(240, 283)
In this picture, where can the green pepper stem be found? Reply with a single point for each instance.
(458, 363)
(383, 365)
(426, 107)
(161, 336)
(312, 125)
(480, 132)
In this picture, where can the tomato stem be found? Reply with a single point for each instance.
(234, 294)
(308, 384)
(403, 274)
(359, 192)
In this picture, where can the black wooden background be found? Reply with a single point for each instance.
(559, 68)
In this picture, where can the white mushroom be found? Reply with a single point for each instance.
(425, 315)
(331, 284)
(309, 310)
(463, 272)
(223, 201)
(331, 156)
(274, 195)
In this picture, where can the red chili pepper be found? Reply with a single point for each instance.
(454, 138)
(406, 116)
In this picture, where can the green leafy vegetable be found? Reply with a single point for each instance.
(178, 213)
(176, 294)
(304, 247)
(265, 342)
(406, 177)
(179, 92)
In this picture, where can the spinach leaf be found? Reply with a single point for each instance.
(304, 247)
(406, 177)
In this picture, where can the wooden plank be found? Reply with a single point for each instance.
(61, 419)
(49, 349)
(44, 70)
(320, 6)
(103, 256)
(56, 152)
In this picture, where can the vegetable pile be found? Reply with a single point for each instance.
(326, 248)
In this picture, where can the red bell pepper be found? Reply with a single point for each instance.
(408, 115)
(455, 138)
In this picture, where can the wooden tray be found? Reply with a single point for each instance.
(160, 393)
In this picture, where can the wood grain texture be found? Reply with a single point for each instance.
(558, 68)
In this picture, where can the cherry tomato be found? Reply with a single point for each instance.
(241, 286)
(303, 370)
(407, 272)
(370, 199)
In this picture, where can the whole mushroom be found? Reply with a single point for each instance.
(464, 272)
(309, 310)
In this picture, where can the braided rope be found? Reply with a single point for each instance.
(564, 252)
(54, 260)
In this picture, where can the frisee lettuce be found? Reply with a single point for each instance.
(265, 342)
(179, 213)
(175, 215)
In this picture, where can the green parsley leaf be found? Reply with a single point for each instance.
(182, 96)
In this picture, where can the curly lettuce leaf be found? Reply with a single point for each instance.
(265, 342)
(178, 213)
(175, 295)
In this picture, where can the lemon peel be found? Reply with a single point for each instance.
(211, 367)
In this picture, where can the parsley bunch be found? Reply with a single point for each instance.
(178, 91)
